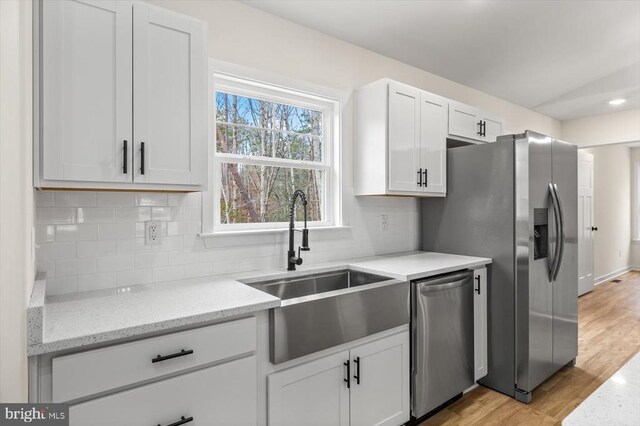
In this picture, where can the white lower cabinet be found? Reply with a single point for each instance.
(480, 342)
(224, 394)
(314, 393)
(380, 394)
(367, 385)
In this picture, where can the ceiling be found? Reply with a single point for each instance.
(565, 59)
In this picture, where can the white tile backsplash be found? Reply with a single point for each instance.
(115, 263)
(94, 240)
(74, 198)
(69, 267)
(95, 215)
(133, 214)
(55, 215)
(115, 199)
(150, 199)
(115, 231)
(76, 232)
(96, 248)
(151, 260)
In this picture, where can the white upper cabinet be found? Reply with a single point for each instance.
(470, 123)
(117, 76)
(170, 88)
(433, 146)
(404, 138)
(401, 141)
(86, 90)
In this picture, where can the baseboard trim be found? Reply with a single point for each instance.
(614, 274)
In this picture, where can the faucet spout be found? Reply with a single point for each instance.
(292, 259)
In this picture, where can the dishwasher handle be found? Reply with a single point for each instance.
(444, 283)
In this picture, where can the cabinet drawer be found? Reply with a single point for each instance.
(221, 395)
(87, 373)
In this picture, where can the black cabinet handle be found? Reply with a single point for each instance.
(477, 290)
(357, 375)
(479, 132)
(182, 421)
(594, 228)
(426, 177)
(420, 177)
(183, 352)
(141, 158)
(484, 128)
(124, 157)
(348, 379)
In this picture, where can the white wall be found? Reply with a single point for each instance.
(16, 196)
(603, 129)
(89, 240)
(612, 209)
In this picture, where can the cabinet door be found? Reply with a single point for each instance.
(480, 323)
(433, 142)
(86, 74)
(314, 393)
(404, 138)
(380, 382)
(225, 394)
(492, 129)
(170, 97)
(464, 121)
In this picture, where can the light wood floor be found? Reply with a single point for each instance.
(608, 336)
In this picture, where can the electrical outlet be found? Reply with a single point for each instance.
(384, 223)
(152, 233)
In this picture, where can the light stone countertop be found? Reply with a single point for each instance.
(80, 319)
(615, 402)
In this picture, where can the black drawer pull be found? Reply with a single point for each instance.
(125, 157)
(478, 280)
(141, 158)
(420, 177)
(357, 375)
(183, 352)
(182, 421)
(348, 379)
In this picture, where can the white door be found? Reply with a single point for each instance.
(492, 128)
(480, 355)
(405, 173)
(380, 382)
(585, 222)
(86, 90)
(433, 142)
(314, 393)
(170, 97)
(222, 395)
(464, 121)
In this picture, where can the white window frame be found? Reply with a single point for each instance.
(245, 82)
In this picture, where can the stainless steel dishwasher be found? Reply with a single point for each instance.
(442, 339)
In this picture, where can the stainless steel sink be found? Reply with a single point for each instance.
(323, 310)
(291, 288)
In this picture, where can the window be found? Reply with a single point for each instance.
(269, 142)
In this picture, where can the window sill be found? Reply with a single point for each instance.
(217, 234)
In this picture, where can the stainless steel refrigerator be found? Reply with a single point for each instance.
(515, 201)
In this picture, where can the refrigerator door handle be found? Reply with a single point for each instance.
(561, 234)
(556, 214)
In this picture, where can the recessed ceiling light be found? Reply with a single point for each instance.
(617, 101)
